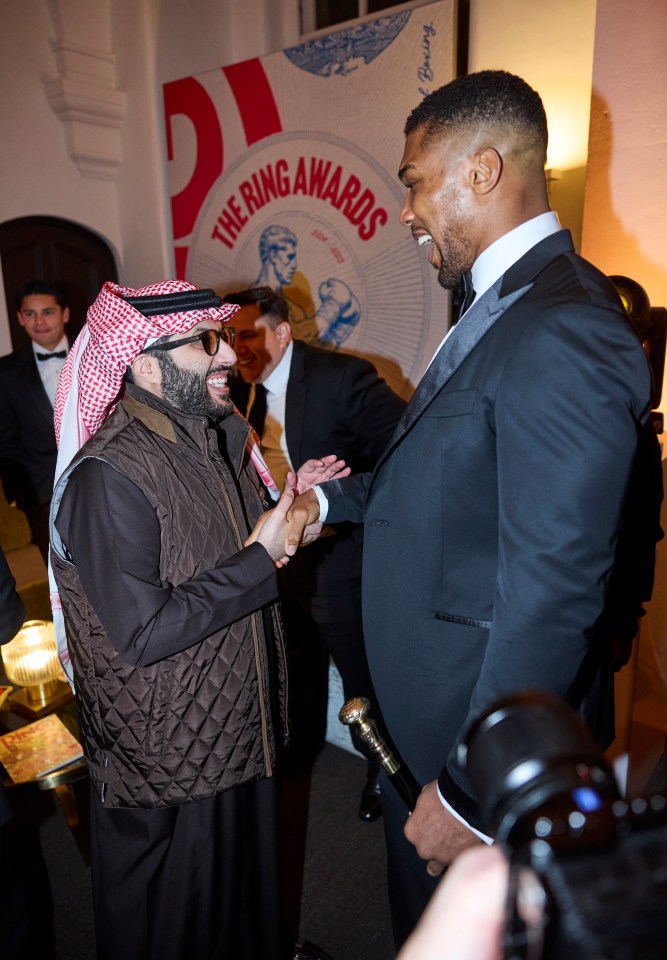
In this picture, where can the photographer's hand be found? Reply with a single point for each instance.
(436, 834)
(466, 916)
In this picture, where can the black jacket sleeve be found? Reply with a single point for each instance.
(112, 535)
(12, 609)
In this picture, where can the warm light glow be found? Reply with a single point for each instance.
(567, 115)
(31, 658)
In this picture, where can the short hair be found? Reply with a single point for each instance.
(158, 354)
(488, 98)
(40, 288)
(272, 236)
(272, 306)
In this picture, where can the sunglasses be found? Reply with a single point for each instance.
(209, 339)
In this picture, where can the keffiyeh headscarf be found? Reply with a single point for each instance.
(90, 385)
(114, 334)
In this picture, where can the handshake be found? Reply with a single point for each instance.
(294, 521)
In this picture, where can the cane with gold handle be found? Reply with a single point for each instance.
(354, 713)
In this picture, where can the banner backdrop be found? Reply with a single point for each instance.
(283, 172)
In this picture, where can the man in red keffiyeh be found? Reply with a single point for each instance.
(164, 577)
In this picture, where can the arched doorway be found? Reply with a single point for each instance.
(57, 250)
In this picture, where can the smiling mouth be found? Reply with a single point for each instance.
(217, 382)
(424, 238)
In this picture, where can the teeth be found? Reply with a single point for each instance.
(217, 381)
(424, 238)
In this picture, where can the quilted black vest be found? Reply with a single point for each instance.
(192, 725)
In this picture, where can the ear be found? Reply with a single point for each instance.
(65, 314)
(20, 318)
(147, 373)
(485, 171)
(284, 334)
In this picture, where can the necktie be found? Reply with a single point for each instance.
(257, 412)
(464, 296)
(60, 354)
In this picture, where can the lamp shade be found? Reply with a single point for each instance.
(31, 659)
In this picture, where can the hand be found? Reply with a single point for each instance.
(437, 835)
(317, 471)
(311, 534)
(466, 916)
(271, 529)
(304, 512)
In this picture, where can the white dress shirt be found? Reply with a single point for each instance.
(496, 260)
(50, 370)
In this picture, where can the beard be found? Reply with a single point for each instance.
(186, 391)
(455, 248)
(456, 257)
(452, 268)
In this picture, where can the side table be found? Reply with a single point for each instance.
(69, 784)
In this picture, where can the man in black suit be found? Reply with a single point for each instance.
(492, 520)
(306, 402)
(28, 380)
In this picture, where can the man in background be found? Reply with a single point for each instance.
(305, 402)
(28, 381)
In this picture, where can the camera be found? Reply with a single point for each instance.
(588, 870)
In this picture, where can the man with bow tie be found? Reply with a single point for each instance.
(494, 521)
(28, 381)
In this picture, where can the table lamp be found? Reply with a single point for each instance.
(31, 662)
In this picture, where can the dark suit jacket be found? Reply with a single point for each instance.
(335, 403)
(27, 436)
(492, 519)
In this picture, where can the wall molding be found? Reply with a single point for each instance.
(85, 99)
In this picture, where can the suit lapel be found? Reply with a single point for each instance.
(459, 344)
(295, 404)
(538, 257)
(465, 336)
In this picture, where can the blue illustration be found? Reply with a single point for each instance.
(339, 310)
(339, 54)
(277, 252)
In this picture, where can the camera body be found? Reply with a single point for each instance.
(591, 867)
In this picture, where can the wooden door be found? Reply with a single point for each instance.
(58, 251)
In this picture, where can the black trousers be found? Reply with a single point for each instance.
(17, 927)
(196, 880)
(410, 887)
(26, 905)
(321, 620)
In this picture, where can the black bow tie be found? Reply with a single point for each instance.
(463, 297)
(60, 354)
(468, 292)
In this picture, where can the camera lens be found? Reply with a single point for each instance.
(528, 757)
